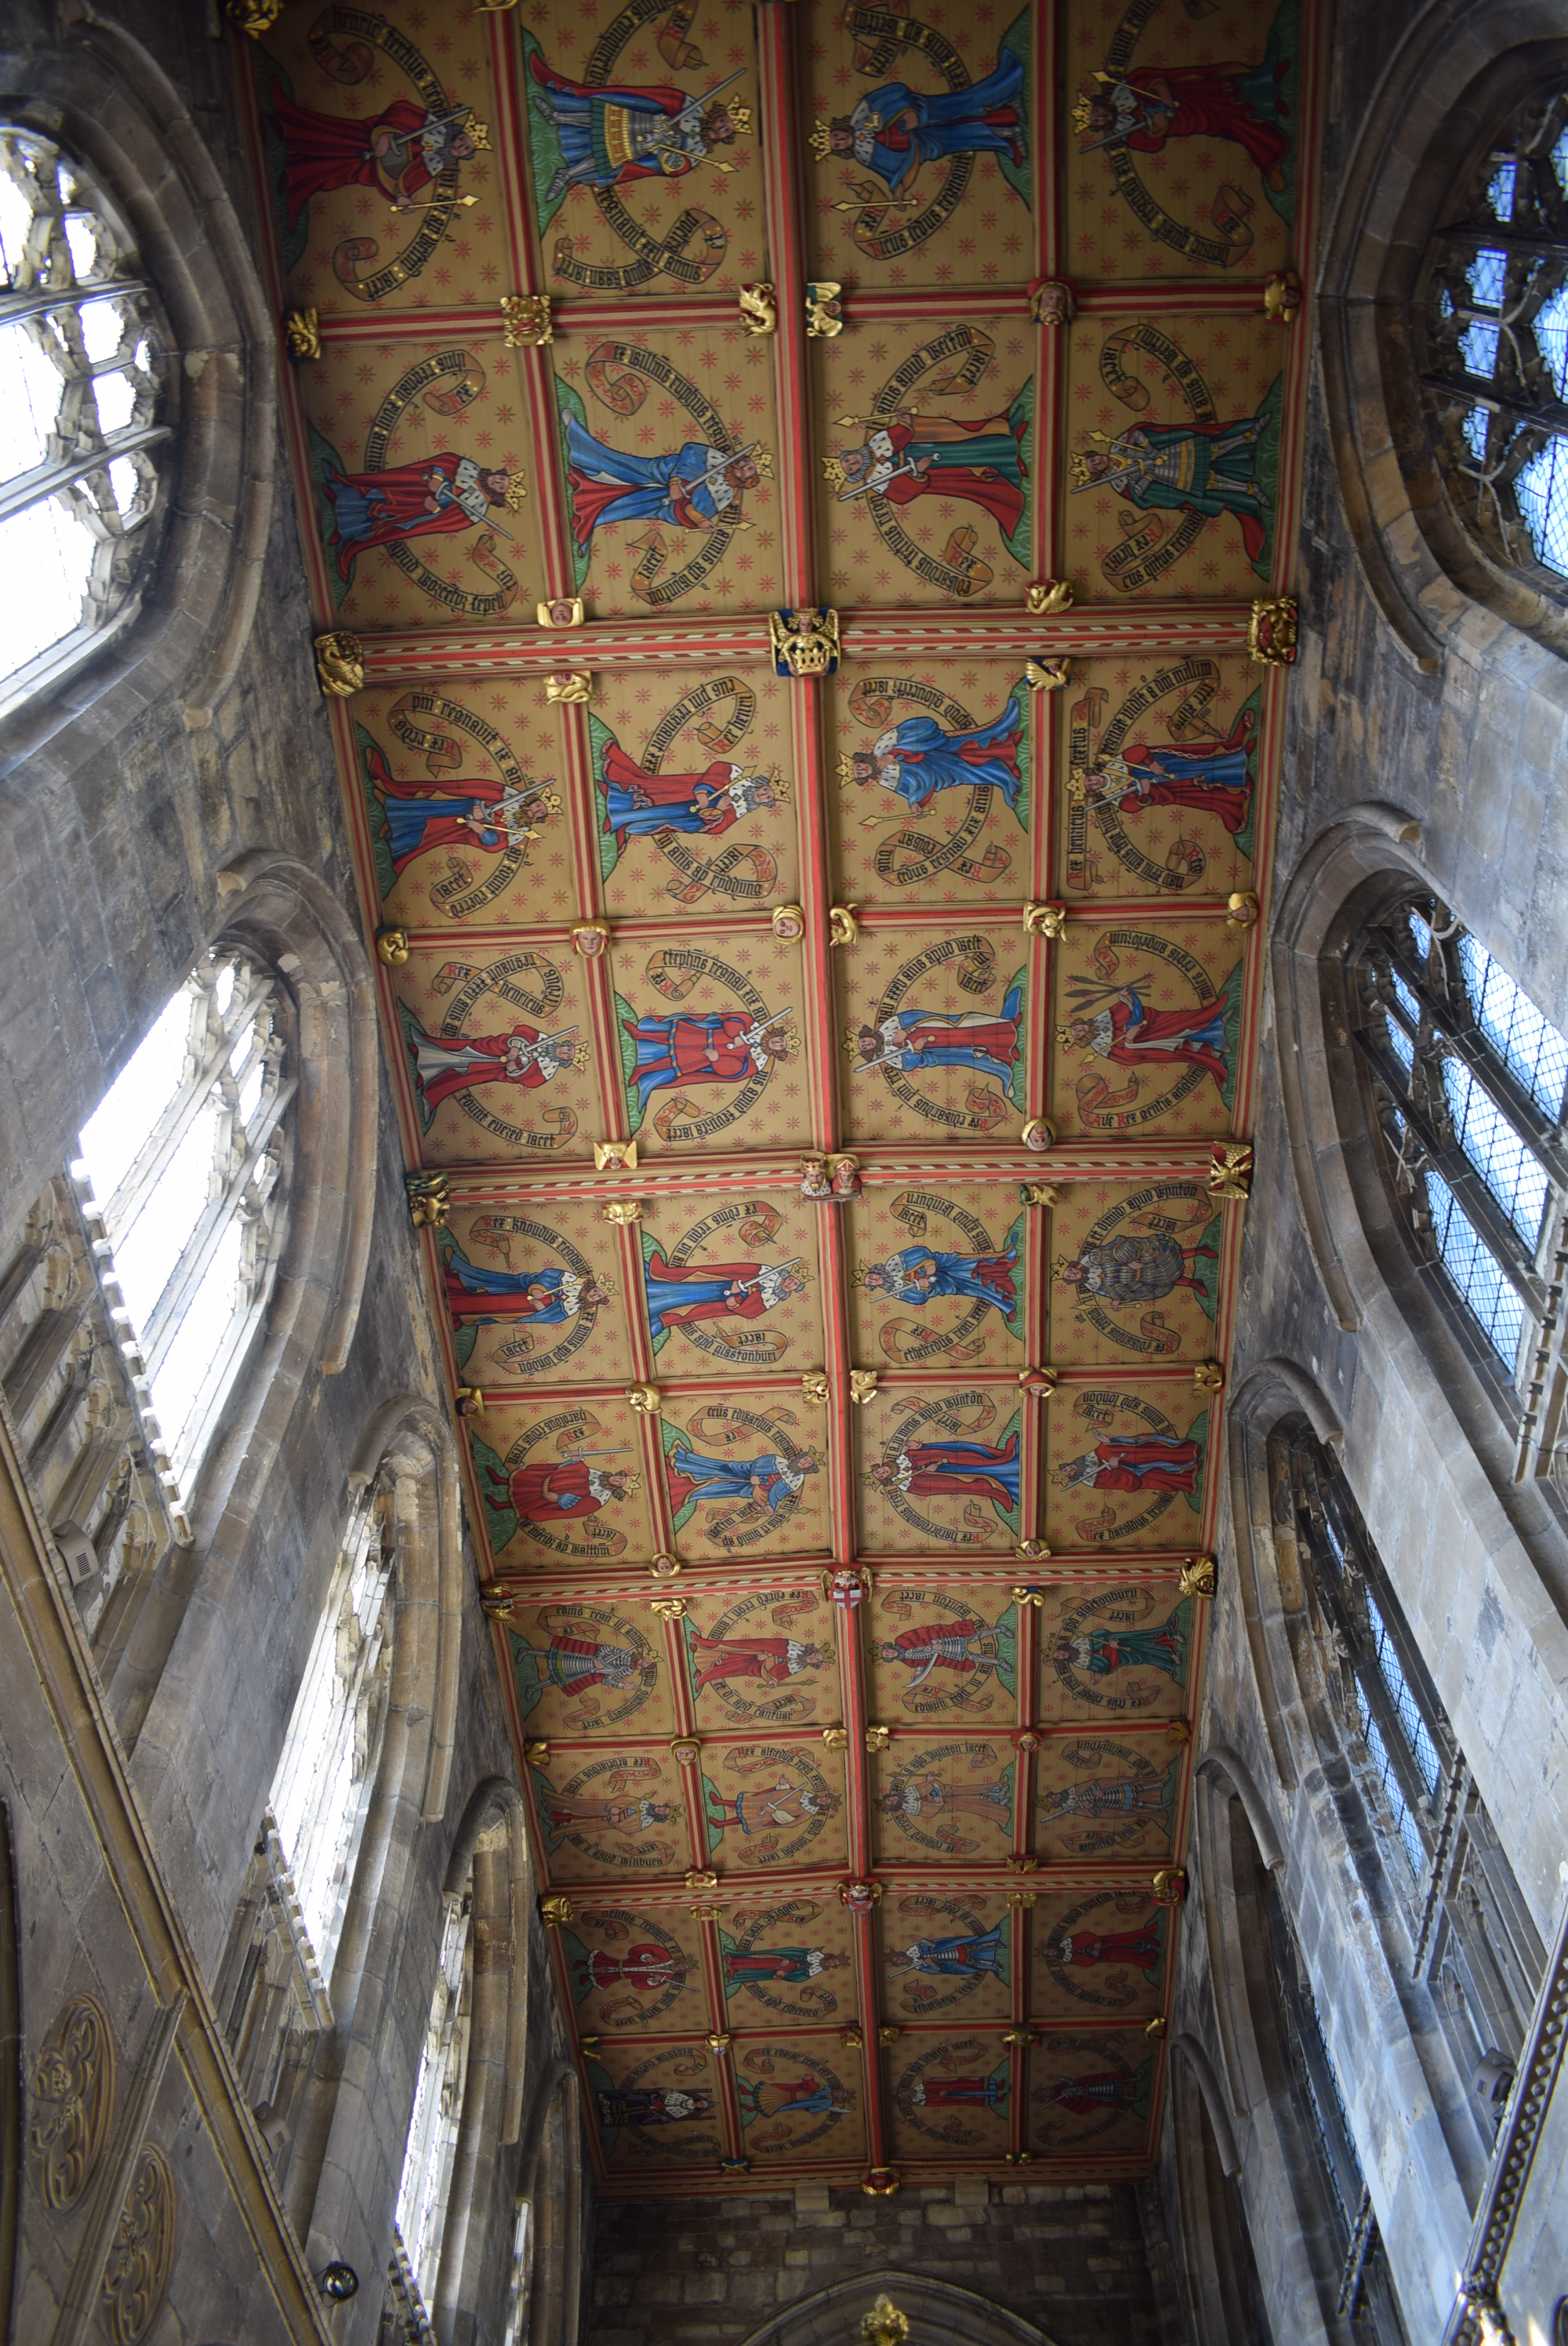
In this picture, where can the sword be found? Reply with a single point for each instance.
(863, 488)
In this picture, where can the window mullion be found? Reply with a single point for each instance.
(1461, 1030)
(1468, 1185)
(196, 1256)
(152, 1159)
(14, 306)
(46, 480)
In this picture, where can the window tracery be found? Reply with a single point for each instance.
(1469, 1080)
(82, 399)
(183, 1174)
(425, 2185)
(1474, 1941)
(1496, 329)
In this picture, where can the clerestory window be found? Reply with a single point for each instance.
(183, 1177)
(1471, 1080)
(82, 428)
(425, 2189)
(1474, 1941)
(1496, 329)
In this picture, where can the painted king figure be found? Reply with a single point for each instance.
(1130, 1036)
(954, 1470)
(770, 1479)
(915, 1273)
(549, 1296)
(722, 1047)
(963, 1956)
(778, 1966)
(432, 496)
(1203, 777)
(893, 130)
(1101, 1652)
(1206, 468)
(912, 1039)
(1136, 1270)
(690, 489)
(965, 1648)
(400, 152)
(444, 1065)
(573, 1667)
(639, 805)
(611, 135)
(1134, 1462)
(490, 816)
(912, 455)
(1083, 1950)
(679, 1294)
(915, 759)
(773, 1661)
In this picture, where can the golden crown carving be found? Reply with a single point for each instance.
(833, 473)
(821, 141)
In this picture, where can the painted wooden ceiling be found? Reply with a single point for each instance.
(839, 1547)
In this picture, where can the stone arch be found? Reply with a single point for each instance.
(277, 908)
(550, 2179)
(408, 1445)
(490, 1839)
(940, 2314)
(96, 89)
(1220, 2269)
(1456, 74)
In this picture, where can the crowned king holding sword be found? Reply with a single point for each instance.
(611, 135)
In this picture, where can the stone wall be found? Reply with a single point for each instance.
(1071, 2258)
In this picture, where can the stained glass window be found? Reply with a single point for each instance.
(1496, 335)
(1473, 1077)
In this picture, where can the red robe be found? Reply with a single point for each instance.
(1207, 106)
(325, 151)
(1173, 1026)
(687, 1043)
(536, 1493)
(465, 1303)
(489, 1053)
(440, 830)
(927, 1483)
(915, 1644)
(1139, 1948)
(714, 1307)
(995, 1038)
(990, 490)
(675, 789)
(1203, 798)
(1163, 1468)
(741, 1657)
(399, 495)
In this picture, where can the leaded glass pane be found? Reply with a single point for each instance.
(1515, 1176)
(1474, 1270)
(1527, 1044)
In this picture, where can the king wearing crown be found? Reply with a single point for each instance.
(692, 489)
(1206, 468)
(400, 151)
(894, 129)
(611, 136)
(433, 495)
(909, 455)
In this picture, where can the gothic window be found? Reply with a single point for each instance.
(274, 1991)
(1469, 1080)
(80, 396)
(182, 1174)
(425, 2186)
(1495, 327)
(1474, 1941)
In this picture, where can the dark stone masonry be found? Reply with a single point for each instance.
(1072, 2259)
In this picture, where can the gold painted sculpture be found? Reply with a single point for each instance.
(824, 310)
(527, 321)
(302, 333)
(805, 642)
(340, 664)
(1047, 597)
(759, 310)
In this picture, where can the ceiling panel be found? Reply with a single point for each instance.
(825, 1085)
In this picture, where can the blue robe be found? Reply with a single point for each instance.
(952, 124)
(959, 1054)
(933, 761)
(730, 1478)
(955, 1275)
(480, 1281)
(967, 1461)
(956, 1956)
(658, 488)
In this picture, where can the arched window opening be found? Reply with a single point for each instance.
(1474, 1942)
(80, 398)
(273, 1991)
(425, 2189)
(1471, 1082)
(183, 1174)
(1494, 322)
(517, 2280)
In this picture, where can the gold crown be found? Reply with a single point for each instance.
(846, 770)
(821, 141)
(833, 473)
(741, 117)
(780, 788)
(763, 460)
(1078, 465)
(1080, 113)
(517, 492)
(1065, 1040)
(479, 132)
(1078, 787)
